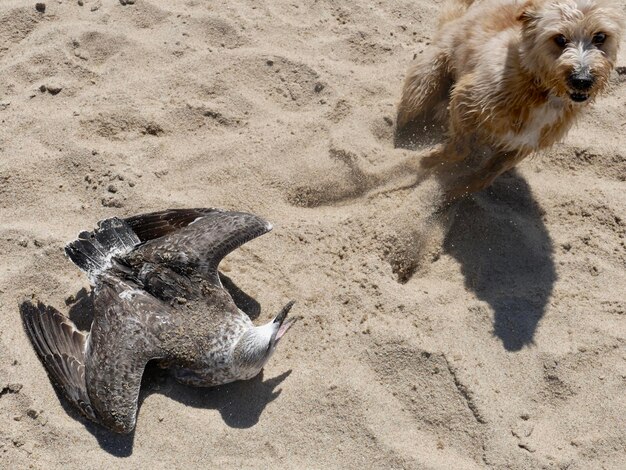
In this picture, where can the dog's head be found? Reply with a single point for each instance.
(570, 46)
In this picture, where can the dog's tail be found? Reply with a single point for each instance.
(453, 9)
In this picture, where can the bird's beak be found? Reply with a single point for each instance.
(280, 320)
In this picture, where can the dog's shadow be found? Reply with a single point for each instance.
(506, 255)
(240, 404)
(499, 238)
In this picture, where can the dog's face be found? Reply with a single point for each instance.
(570, 46)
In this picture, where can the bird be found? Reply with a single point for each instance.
(157, 296)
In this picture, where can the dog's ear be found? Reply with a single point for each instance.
(528, 13)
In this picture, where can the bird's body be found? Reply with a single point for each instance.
(157, 296)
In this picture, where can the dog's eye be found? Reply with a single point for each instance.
(599, 38)
(560, 40)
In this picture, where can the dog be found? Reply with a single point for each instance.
(508, 79)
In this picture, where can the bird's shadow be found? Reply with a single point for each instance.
(244, 302)
(240, 404)
(506, 255)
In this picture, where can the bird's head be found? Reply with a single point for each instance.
(257, 345)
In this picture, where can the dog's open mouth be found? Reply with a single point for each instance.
(578, 96)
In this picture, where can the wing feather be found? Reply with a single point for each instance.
(61, 349)
(158, 224)
(199, 246)
(125, 336)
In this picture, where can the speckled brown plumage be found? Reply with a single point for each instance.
(157, 295)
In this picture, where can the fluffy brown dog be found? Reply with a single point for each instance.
(509, 78)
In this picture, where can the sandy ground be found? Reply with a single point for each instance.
(507, 348)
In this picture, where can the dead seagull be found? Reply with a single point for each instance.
(157, 295)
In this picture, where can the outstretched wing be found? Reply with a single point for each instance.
(195, 241)
(61, 348)
(127, 332)
(158, 224)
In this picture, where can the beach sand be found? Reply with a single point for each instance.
(507, 347)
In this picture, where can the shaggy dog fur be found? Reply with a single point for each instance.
(509, 78)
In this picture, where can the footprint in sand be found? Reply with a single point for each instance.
(432, 390)
(98, 47)
(120, 125)
(17, 24)
(291, 85)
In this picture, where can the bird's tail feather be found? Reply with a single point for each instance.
(92, 251)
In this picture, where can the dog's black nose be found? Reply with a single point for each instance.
(581, 81)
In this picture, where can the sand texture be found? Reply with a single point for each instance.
(506, 349)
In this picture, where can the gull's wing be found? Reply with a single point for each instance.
(194, 241)
(128, 329)
(61, 349)
(158, 224)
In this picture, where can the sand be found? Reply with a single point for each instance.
(505, 349)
